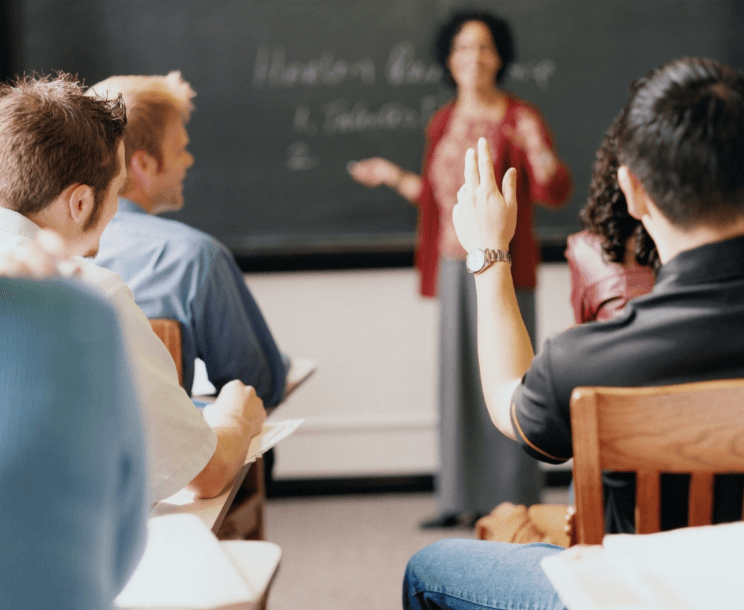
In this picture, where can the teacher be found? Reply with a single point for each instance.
(479, 467)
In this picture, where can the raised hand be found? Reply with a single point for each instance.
(483, 217)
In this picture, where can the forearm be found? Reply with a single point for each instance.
(233, 439)
(407, 185)
(504, 346)
(556, 191)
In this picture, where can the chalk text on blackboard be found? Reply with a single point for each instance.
(272, 70)
(339, 117)
(403, 67)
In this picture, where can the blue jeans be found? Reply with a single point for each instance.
(477, 574)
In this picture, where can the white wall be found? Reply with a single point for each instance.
(370, 409)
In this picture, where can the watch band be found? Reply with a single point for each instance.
(497, 256)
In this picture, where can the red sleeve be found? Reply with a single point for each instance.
(556, 191)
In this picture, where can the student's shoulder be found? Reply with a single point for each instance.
(104, 280)
(178, 236)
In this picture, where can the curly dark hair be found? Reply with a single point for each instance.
(500, 32)
(606, 211)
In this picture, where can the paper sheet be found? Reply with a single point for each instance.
(271, 434)
(695, 568)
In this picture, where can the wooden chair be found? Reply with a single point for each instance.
(169, 332)
(695, 428)
(245, 518)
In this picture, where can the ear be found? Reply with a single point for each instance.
(142, 166)
(80, 202)
(635, 194)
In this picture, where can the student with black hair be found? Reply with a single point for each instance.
(690, 200)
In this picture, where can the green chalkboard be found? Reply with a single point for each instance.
(290, 91)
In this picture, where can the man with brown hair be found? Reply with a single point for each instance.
(62, 166)
(176, 271)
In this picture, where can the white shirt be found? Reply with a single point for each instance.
(180, 442)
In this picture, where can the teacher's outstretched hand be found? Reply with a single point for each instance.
(483, 216)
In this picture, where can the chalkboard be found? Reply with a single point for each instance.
(290, 91)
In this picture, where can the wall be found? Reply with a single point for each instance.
(370, 409)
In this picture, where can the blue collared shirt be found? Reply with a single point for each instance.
(176, 271)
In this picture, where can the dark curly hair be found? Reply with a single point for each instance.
(606, 211)
(500, 32)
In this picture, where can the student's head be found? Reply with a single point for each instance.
(158, 108)
(493, 27)
(61, 157)
(681, 135)
(606, 210)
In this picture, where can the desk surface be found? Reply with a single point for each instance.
(185, 566)
(211, 511)
(300, 370)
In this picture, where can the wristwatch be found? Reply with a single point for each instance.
(481, 258)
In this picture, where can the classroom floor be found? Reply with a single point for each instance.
(342, 552)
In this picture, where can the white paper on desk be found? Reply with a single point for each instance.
(695, 568)
(184, 566)
(271, 434)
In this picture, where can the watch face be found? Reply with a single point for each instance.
(476, 260)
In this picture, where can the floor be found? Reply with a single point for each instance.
(350, 552)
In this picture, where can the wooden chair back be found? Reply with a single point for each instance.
(169, 332)
(695, 428)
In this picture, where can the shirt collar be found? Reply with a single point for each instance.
(719, 261)
(17, 224)
(130, 207)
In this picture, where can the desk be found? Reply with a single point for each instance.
(185, 567)
(211, 511)
(238, 511)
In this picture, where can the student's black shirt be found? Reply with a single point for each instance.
(689, 328)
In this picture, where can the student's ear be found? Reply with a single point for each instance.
(635, 194)
(142, 165)
(81, 202)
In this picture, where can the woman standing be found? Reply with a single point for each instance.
(479, 467)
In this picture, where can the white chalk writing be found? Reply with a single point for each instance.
(341, 117)
(404, 68)
(272, 70)
(539, 71)
(299, 157)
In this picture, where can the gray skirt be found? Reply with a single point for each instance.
(479, 467)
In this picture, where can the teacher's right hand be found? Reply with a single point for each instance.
(375, 172)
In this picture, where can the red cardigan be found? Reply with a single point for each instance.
(524, 249)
